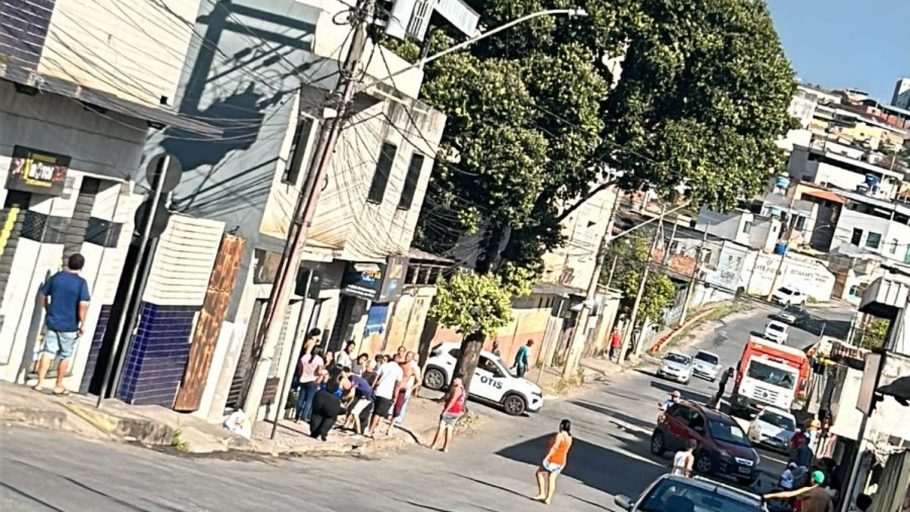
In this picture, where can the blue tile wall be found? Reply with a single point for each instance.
(158, 355)
(97, 339)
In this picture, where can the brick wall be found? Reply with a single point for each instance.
(158, 354)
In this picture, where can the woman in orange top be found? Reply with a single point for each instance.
(554, 462)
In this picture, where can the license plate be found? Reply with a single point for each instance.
(745, 471)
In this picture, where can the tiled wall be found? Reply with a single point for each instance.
(95, 349)
(158, 355)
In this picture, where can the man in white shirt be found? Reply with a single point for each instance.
(388, 379)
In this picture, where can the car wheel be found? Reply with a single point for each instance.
(434, 379)
(514, 405)
(658, 446)
(703, 463)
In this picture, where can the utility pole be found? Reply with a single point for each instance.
(633, 319)
(694, 280)
(666, 256)
(302, 217)
(576, 346)
(783, 256)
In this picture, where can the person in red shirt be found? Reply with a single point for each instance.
(615, 343)
(451, 412)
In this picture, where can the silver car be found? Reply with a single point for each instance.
(706, 365)
(676, 366)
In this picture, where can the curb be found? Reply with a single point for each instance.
(41, 418)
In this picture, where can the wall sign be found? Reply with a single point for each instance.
(362, 280)
(40, 172)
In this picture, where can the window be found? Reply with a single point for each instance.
(894, 244)
(747, 227)
(410, 182)
(383, 171)
(854, 291)
(874, 240)
(490, 366)
(857, 237)
(800, 223)
(298, 149)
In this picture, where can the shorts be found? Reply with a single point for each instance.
(383, 407)
(362, 403)
(448, 420)
(551, 468)
(62, 344)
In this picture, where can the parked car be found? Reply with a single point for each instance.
(773, 428)
(723, 448)
(492, 382)
(706, 365)
(786, 296)
(793, 315)
(676, 366)
(777, 331)
(678, 494)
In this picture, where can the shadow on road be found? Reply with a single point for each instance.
(687, 394)
(631, 420)
(606, 470)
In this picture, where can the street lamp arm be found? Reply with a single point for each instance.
(483, 35)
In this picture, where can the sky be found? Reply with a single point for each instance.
(846, 43)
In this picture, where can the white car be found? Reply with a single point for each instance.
(492, 382)
(676, 366)
(777, 332)
(706, 365)
(774, 428)
(789, 297)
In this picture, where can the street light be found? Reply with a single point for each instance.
(574, 12)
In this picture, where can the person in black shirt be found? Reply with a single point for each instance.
(326, 409)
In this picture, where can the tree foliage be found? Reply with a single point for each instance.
(631, 254)
(469, 302)
(873, 336)
(537, 122)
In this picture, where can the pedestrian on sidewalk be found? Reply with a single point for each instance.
(615, 344)
(410, 385)
(684, 459)
(495, 350)
(65, 297)
(362, 398)
(451, 412)
(388, 380)
(360, 364)
(345, 358)
(310, 369)
(329, 368)
(326, 409)
(554, 462)
(521, 359)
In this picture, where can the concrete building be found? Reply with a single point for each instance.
(73, 124)
(873, 225)
(759, 232)
(823, 165)
(901, 96)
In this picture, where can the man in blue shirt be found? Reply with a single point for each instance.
(65, 296)
(521, 358)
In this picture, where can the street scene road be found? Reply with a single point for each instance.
(493, 470)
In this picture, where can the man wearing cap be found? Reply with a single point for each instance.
(812, 498)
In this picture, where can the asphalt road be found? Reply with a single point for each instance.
(492, 471)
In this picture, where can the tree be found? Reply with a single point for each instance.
(701, 98)
(476, 305)
(874, 335)
(632, 254)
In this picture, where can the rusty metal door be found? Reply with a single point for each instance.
(208, 326)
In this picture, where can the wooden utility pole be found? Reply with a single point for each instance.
(633, 318)
(694, 280)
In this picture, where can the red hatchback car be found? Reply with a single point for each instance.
(723, 447)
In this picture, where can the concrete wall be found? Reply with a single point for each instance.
(572, 264)
(133, 49)
(895, 237)
(406, 322)
(801, 272)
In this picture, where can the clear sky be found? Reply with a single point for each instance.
(846, 43)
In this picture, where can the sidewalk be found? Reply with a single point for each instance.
(162, 428)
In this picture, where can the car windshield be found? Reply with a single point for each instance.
(677, 358)
(779, 420)
(775, 327)
(786, 291)
(708, 358)
(728, 432)
(772, 375)
(677, 496)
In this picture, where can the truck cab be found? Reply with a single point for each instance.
(770, 375)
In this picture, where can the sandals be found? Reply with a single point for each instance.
(61, 392)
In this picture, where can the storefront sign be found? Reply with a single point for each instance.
(39, 172)
(376, 282)
(362, 280)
